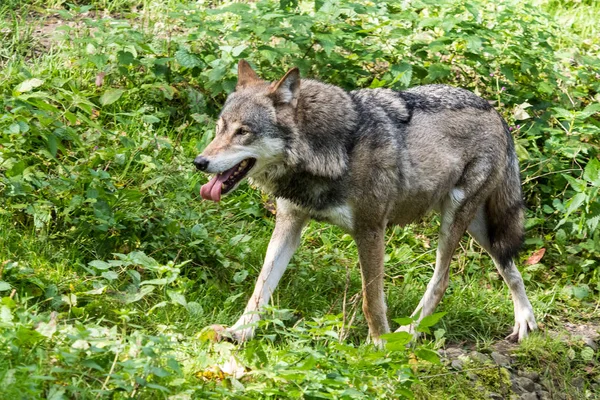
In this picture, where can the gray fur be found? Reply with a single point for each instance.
(368, 159)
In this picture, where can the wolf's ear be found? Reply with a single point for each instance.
(287, 89)
(246, 75)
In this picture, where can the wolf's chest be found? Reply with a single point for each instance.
(341, 216)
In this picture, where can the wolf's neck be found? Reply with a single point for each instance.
(322, 132)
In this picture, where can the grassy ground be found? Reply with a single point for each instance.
(111, 265)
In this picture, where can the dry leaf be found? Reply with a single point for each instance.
(536, 256)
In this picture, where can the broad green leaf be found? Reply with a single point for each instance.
(187, 59)
(575, 202)
(474, 44)
(404, 321)
(98, 264)
(589, 110)
(402, 73)
(52, 144)
(177, 297)
(110, 96)
(6, 316)
(46, 329)
(581, 291)
(240, 276)
(401, 338)
(110, 275)
(437, 71)
(592, 172)
(4, 286)
(133, 297)
(428, 355)
(150, 119)
(587, 354)
(429, 321)
(237, 50)
(29, 85)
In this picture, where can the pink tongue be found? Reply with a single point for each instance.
(212, 190)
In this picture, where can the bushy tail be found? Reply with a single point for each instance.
(505, 210)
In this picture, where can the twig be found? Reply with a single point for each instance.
(550, 173)
(342, 337)
(112, 369)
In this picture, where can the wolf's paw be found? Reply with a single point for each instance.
(220, 333)
(524, 323)
(239, 335)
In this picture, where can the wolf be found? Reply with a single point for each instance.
(365, 160)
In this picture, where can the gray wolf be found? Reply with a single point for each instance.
(364, 160)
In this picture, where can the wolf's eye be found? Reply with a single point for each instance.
(242, 131)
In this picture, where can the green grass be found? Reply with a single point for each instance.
(86, 181)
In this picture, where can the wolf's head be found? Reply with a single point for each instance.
(251, 131)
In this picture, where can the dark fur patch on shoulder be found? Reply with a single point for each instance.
(434, 98)
(310, 191)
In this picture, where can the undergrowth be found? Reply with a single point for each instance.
(111, 265)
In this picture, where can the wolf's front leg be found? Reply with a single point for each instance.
(285, 240)
(370, 243)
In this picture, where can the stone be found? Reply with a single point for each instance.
(495, 396)
(521, 385)
(534, 376)
(538, 387)
(452, 352)
(578, 383)
(457, 365)
(500, 359)
(543, 395)
(590, 343)
(529, 396)
(479, 357)
(472, 376)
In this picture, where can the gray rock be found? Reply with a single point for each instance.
(457, 365)
(538, 387)
(500, 359)
(529, 396)
(521, 385)
(479, 357)
(534, 376)
(495, 396)
(578, 383)
(453, 352)
(543, 395)
(546, 383)
(590, 343)
(472, 376)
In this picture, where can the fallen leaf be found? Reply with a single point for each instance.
(536, 256)
(100, 79)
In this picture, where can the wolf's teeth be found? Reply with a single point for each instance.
(243, 163)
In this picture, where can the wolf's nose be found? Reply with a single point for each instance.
(201, 163)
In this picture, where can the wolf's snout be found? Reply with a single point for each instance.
(201, 163)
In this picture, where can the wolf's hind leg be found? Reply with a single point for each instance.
(370, 243)
(284, 242)
(456, 213)
(524, 317)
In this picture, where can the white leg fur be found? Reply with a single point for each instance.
(524, 317)
(284, 242)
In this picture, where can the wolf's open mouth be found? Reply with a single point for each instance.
(225, 181)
